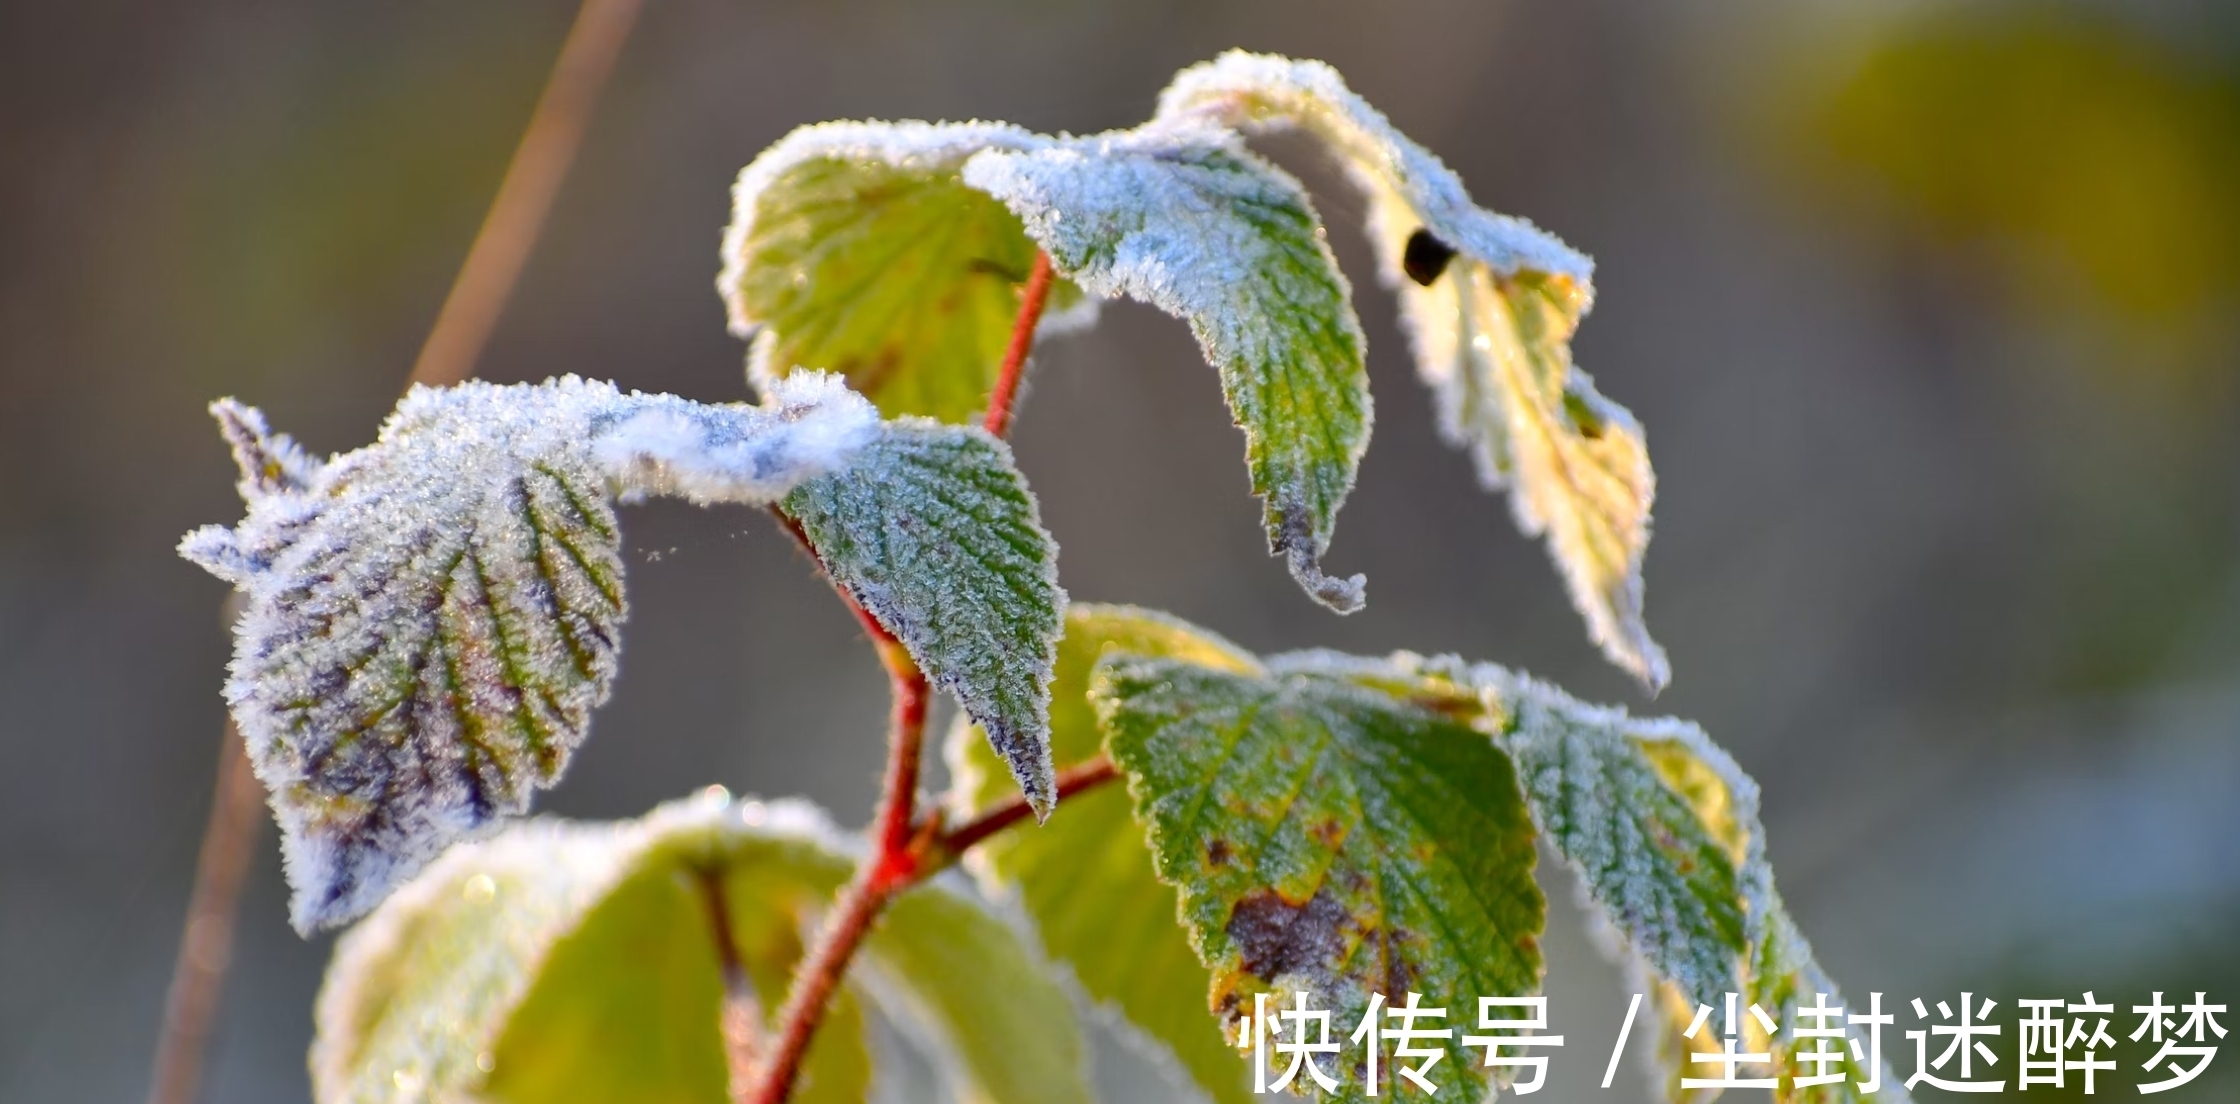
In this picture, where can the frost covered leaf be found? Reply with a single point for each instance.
(563, 962)
(1181, 218)
(935, 534)
(1330, 838)
(1779, 970)
(856, 247)
(1086, 877)
(1662, 829)
(1785, 975)
(1659, 872)
(431, 619)
(1490, 303)
(415, 995)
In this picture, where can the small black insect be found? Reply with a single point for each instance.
(1425, 257)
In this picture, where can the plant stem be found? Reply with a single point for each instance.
(816, 979)
(1006, 395)
(478, 295)
(904, 849)
(891, 866)
(889, 869)
(742, 1013)
(898, 807)
(1074, 779)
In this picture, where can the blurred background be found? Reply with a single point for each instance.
(1929, 308)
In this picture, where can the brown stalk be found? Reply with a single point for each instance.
(485, 282)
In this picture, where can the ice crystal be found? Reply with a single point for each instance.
(711, 454)
(1490, 303)
(1662, 876)
(430, 620)
(1180, 217)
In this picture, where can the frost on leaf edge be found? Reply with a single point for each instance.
(1262, 92)
(1035, 773)
(1776, 949)
(1380, 156)
(910, 144)
(345, 852)
(604, 855)
(1294, 531)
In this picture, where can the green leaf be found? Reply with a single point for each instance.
(431, 619)
(1005, 1029)
(1490, 303)
(1655, 867)
(578, 963)
(1330, 838)
(627, 1004)
(1662, 828)
(1785, 975)
(1779, 971)
(1182, 218)
(855, 247)
(415, 995)
(1086, 878)
(933, 531)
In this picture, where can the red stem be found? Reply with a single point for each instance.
(904, 850)
(819, 975)
(892, 865)
(1014, 370)
(1074, 779)
(887, 871)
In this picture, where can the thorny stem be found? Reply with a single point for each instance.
(905, 849)
(1014, 369)
(478, 295)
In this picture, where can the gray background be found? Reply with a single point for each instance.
(1947, 531)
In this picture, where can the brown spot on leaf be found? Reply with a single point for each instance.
(989, 266)
(868, 373)
(1583, 418)
(1275, 937)
(1219, 852)
(1328, 832)
(1388, 959)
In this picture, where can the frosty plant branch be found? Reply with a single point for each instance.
(900, 858)
(431, 620)
(886, 870)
